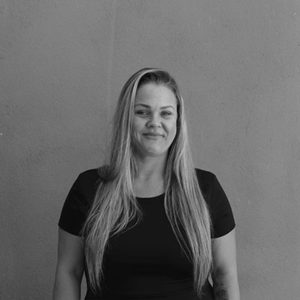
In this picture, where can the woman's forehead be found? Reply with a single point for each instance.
(155, 94)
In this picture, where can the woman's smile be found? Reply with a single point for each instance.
(153, 136)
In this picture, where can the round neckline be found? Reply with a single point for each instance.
(149, 198)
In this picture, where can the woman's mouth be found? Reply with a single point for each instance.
(152, 135)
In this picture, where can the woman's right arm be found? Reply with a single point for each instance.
(69, 269)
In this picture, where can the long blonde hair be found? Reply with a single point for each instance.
(114, 205)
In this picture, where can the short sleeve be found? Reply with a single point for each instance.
(221, 213)
(222, 218)
(78, 202)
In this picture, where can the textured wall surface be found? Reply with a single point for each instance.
(62, 64)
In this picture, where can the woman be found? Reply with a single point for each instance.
(147, 225)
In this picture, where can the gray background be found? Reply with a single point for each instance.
(62, 65)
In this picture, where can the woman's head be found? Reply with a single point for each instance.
(129, 124)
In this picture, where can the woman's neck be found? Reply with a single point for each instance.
(150, 168)
(150, 178)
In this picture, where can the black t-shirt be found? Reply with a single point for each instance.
(146, 261)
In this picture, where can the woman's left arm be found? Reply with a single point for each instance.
(224, 273)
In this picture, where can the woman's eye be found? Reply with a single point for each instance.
(166, 113)
(141, 112)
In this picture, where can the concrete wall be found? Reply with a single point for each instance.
(62, 65)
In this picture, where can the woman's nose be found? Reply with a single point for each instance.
(154, 121)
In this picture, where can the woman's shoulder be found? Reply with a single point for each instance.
(208, 183)
(87, 178)
(89, 175)
(204, 173)
(87, 181)
(205, 177)
(92, 176)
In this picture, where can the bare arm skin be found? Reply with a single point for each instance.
(224, 275)
(69, 269)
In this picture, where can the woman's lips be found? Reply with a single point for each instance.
(152, 135)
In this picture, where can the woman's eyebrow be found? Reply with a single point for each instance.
(148, 106)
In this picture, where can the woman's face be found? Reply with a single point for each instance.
(155, 120)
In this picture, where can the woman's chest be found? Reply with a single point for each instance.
(150, 247)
